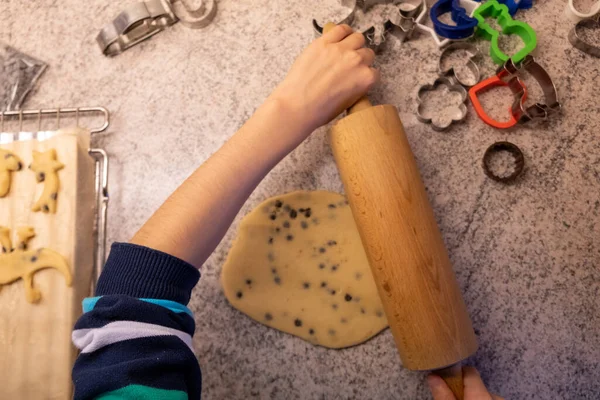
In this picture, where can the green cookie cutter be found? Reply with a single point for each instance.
(509, 26)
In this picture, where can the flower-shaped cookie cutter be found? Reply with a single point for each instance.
(493, 9)
(579, 42)
(461, 12)
(575, 15)
(472, 55)
(452, 86)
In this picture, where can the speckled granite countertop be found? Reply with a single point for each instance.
(527, 256)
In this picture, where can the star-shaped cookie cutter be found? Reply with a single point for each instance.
(452, 86)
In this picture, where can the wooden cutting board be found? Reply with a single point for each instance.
(35, 339)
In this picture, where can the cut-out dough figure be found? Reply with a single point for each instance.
(20, 263)
(45, 165)
(8, 164)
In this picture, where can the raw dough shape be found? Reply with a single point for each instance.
(9, 163)
(298, 266)
(20, 263)
(45, 165)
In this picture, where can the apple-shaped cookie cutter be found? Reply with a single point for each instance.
(520, 95)
(493, 9)
(579, 42)
(452, 86)
(472, 55)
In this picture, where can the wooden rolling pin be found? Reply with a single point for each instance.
(405, 249)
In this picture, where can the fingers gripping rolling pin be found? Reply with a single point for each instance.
(427, 315)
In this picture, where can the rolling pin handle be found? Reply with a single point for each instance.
(363, 102)
(453, 376)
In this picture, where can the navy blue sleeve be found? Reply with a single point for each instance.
(135, 337)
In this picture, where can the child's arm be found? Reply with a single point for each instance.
(330, 75)
(136, 336)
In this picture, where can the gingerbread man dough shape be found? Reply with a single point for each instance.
(45, 165)
(20, 263)
(8, 164)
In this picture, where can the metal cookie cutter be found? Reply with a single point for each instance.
(472, 54)
(351, 4)
(452, 87)
(465, 23)
(143, 20)
(574, 15)
(374, 40)
(493, 9)
(578, 42)
(411, 20)
(538, 111)
(519, 161)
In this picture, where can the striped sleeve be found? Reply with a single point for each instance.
(135, 338)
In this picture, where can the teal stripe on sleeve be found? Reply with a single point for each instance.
(141, 392)
(90, 302)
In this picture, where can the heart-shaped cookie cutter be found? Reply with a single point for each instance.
(452, 86)
(520, 95)
(575, 15)
(462, 15)
(493, 9)
(578, 42)
(472, 55)
(538, 111)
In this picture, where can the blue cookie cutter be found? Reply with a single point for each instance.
(515, 5)
(465, 24)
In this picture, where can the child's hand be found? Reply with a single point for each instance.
(474, 387)
(330, 75)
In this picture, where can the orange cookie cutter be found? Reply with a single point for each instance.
(515, 84)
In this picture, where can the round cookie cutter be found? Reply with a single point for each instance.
(506, 147)
(575, 15)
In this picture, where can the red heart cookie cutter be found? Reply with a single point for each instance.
(515, 84)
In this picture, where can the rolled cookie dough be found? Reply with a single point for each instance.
(298, 265)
